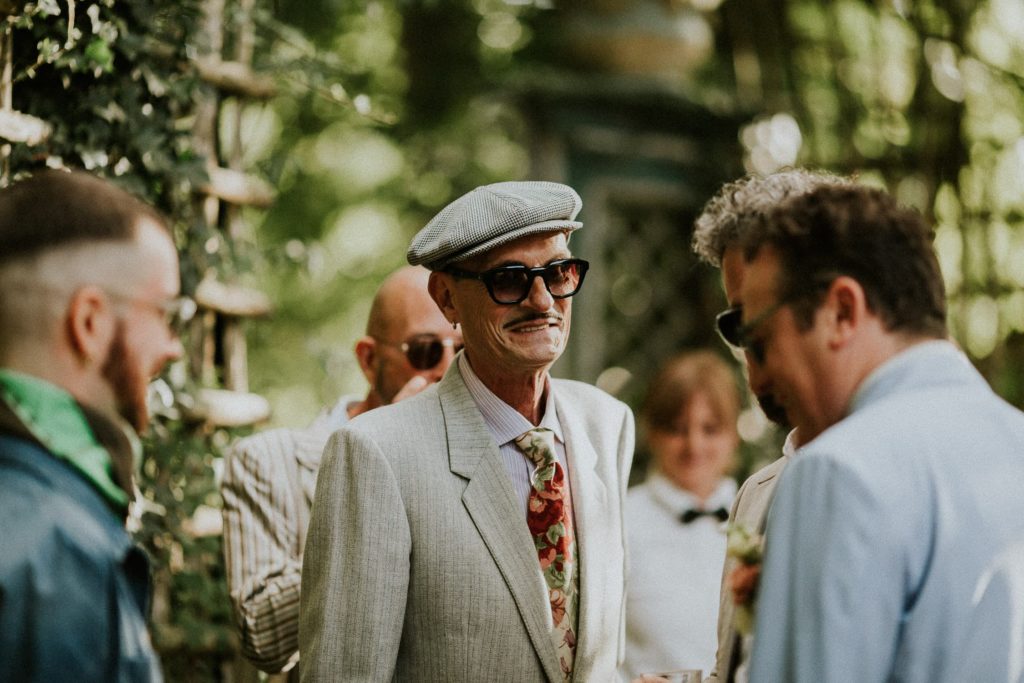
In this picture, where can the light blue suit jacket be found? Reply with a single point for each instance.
(998, 622)
(882, 527)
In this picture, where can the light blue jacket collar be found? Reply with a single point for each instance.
(915, 367)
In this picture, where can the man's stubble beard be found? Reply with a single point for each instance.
(123, 376)
(773, 411)
(381, 386)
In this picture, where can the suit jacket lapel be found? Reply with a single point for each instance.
(765, 493)
(589, 499)
(498, 517)
(758, 500)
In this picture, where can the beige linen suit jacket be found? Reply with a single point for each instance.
(419, 565)
(749, 509)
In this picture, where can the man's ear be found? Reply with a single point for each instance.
(366, 354)
(90, 324)
(847, 307)
(440, 287)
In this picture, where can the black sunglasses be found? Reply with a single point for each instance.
(731, 329)
(425, 351)
(728, 324)
(509, 285)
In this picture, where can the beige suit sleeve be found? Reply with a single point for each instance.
(748, 509)
(355, 572)
(260, 548)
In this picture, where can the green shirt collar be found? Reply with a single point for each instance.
(53, 417)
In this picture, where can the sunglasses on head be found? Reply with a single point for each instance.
(509, 285)
(425, 351)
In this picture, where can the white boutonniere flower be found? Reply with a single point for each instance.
(747, 548)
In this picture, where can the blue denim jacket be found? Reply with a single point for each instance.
(74, 589)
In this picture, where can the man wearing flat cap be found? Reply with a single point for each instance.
(474, 531)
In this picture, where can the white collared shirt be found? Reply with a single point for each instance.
(675, 574)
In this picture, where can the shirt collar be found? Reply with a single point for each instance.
(503, 421)
(913, 366)
(88, 441)
(676, 499)
(334, 417)
(789, 447)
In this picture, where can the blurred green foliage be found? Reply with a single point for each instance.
(388, 112)
(193, 628)
(111, 85)
(927, 99)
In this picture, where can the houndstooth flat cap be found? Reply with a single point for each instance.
(493, 215)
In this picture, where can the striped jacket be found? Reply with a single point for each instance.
(267, 491)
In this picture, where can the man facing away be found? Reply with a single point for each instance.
(474, 532)
(718, 234)
(269, 478)
(88, 278)
(907, 485)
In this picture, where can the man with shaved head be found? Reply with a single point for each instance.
(88, 291)
(269, 478)
(405, 333)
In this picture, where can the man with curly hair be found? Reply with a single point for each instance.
(718, 234)
(906, 487)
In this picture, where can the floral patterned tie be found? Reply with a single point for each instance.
(549, 516)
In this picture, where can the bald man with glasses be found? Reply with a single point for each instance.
(474, 532)
(269, 478)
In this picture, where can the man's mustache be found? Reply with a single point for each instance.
(530, 317)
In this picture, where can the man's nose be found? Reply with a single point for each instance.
(171, 351)
(539, 297)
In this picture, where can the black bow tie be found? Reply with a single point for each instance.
(721, 514)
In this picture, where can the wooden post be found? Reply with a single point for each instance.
(6, 95)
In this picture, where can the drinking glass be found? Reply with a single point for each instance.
(681, 676)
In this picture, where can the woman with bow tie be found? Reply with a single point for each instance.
(676, 518)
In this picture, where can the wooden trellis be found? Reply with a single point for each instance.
(217, 345)
(15, 127)
(218, 351)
